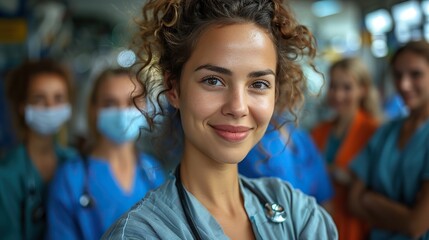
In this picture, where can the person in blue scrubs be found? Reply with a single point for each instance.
(92, 191)
(40, 95)
(226, 67)
(290, 154)
(391, 186)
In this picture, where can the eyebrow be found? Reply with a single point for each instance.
(228, 72)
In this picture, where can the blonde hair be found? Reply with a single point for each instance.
(370, 102)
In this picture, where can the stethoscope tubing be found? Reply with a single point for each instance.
(274, 212)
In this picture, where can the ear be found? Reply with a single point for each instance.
(173, 93)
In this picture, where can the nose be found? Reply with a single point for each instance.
(50, 102)
(236, 103)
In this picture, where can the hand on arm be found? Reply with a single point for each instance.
(394, 216)
(355, 204)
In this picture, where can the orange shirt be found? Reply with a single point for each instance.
(359, 133)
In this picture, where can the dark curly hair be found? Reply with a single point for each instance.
(169, 30)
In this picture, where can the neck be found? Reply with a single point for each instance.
(39, 144)
(215, 185)
(116, 154)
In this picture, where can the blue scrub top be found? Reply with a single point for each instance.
(67, 219)
(23, 194)
(160, 215)
(295, 160)
(395, 173)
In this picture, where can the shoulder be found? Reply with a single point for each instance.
(388, 127)
(368, 121)
(155, 216)
(309, 220)
(69, 173)
(148, 160)
(14, 158)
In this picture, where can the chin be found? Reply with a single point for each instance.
(232, 158)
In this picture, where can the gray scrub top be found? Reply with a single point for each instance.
(160, 215)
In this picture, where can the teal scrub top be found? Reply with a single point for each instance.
(160, 215)
(23, 194)
(395, 173)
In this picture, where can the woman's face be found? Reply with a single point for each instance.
(47, 90)
(411, 75)
(344, 93)
(227, 92)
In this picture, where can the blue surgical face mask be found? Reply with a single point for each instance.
(120, 125)
(47, 121)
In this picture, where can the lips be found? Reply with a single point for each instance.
(232, 133)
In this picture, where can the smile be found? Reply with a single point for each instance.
(231, 133)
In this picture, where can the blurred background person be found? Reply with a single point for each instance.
(40, 95)
(91, 192)
(391, 188)
(289, 153)
(354, 100)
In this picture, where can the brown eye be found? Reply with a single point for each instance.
(212, 81)
(261, 85)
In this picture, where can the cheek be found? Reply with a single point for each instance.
(200, 105)
(262, 109)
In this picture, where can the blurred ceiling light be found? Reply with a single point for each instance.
(339, 44)
(425, 7)
(126, 58)
(353, 41)
(379, 48)
(408, 13)
(378, 22)
(402, 33)
(323, 8)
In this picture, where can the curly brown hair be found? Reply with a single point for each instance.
(169, 30)
(18, 81)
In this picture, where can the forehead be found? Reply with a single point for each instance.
(230, 44)
(408, 60)
(117, 84)
(341, 75)
(46, 81)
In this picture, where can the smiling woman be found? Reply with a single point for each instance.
(228, 65)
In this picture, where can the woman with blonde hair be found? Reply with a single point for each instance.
(354, 99)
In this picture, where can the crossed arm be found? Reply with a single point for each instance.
(384, 213)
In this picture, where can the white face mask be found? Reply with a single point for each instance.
(46, 121)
